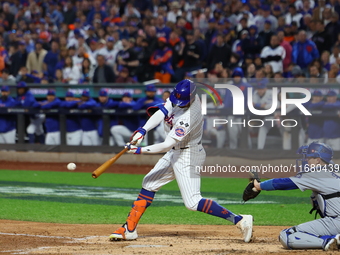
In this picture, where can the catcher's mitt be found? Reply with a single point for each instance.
(250, 192)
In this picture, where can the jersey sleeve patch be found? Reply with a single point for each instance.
(180, 131)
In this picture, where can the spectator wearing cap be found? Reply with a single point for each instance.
(161, 59)
(220, 52)
(74, 37)
(127, 58)
(161, 29)
(242, 26)
(73, 128)
(175, 12)
(106, 103)
(321, 38)
(103, 72)
(35, 59)
(277, 11)
(306, 7)
(88, 123)
(263, 100)
(52, 120)
(127, 123)
(315, 123)
(26, 99)
(293, 15)
(7, 78)
(274, 55)
(331, 125)
(71, 72)
(51, 60)
(8, 123)
(191, 55)
(266, 34)
(304, 51)
(234, 130)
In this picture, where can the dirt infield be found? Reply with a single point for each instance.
(43, 238)
(18, 237)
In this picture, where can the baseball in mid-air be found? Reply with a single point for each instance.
(71, 166)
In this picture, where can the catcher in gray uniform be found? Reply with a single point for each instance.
(320, 175)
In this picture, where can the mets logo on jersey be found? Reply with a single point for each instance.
(180, 131)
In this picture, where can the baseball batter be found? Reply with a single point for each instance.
(183, 124)
(320, 176)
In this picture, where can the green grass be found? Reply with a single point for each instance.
(72, 197)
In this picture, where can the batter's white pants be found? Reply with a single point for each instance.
(52, 138)
(90, 138)
(182, 165)
(234, 131)
(35, 126)
(121, 134)
(74, 138)
(8, 137)
(334, 143)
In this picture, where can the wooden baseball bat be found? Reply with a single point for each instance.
(96, 173)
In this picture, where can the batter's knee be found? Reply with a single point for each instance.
(192, 204)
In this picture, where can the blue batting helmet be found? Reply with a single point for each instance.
(320, 150)
(183, 92)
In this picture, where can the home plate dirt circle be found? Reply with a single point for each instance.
(17, 237)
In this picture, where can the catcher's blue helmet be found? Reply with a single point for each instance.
(184, 91)
(314, 150)
(320, 150)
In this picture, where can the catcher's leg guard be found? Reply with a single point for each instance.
(292, 239)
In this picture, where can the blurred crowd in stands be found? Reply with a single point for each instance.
(121, 41)
(250, 42)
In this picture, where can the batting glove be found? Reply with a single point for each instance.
(133, 149)
(138, 136)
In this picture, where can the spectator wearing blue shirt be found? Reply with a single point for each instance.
(8, 123)
(304, 51)
(27, 100)
(52, 120)
(127, 124)
(88, 122)
(331, 125)
(51, 60)
(73, 129)
(106, 103)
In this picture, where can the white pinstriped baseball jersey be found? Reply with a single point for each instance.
(184, 124)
